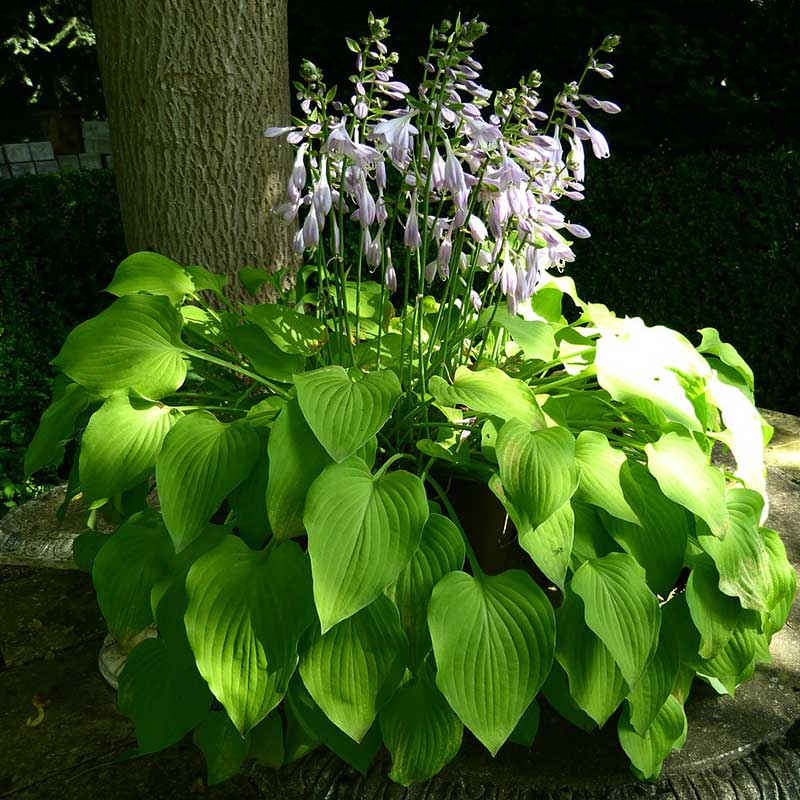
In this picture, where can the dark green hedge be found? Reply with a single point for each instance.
(707, 240)
(702, 240)
(60, 239)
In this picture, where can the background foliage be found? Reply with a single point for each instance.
(60, 241)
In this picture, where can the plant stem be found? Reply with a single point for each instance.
(236, 368)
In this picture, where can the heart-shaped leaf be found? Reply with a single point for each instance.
(133, 344)
(550, 544)
(599, 482)
(715, 615)
(741, 558)
(248, 500)
(440, 551)
(354, 669)
(489, 391)
(784, 582)
(533, 336)
(56, 428)
(525, 733)
(621, 610)
(151, 273)
(638, 364)
(246, 613)
(421, 732)
(160, 688)
(655, 685)
(206, 281)
(307, 727)
(296, 458)
(362, 531)
(647, 753)
(494, 639)
(726, 353)
(201, 462)
(224, 747)
(537, 469)
(266, 358)
(345, 413)
(120, 445)
(596, 684)
(658, 541)
(685, 476)
(289, 330)
(134, 559)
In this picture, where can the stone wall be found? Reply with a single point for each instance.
(37, 158)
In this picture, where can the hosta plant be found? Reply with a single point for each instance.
(315, 556)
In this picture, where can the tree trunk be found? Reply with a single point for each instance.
(190, 87)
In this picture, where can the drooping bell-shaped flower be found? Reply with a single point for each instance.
(311, 230)
(477, 229)
(453, 171)
(411, 237)
(508, 275)
(475, 299)
(599, 144)
(298, 243)
(395, 134)
(298, 176)
(375, 251)
(390, 276)
(482, 133)
(321, 197)
(579, 231)
(430, 271)
(437, 170)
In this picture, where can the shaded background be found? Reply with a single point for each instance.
(695, 218)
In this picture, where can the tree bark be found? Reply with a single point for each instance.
(190, 87)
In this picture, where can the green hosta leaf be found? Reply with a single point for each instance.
(494, 639)
(556, 690)
(658, 543)
(246, 613)
(266, 358)
(223, 746)
(421, 732)
(596, 684)
(441, 550)
(132, 561)
(621, 610)
(685, 476)
(369, 300)
(160, 688)
(249, 499)
(309, 727)
(727, 353)
(163, 694)
(647, 753)
(655, 686)
(599, 483)
(290, 331)
(591, 540)
(56, 428)
(489, 391)
(353, 669)
(362, 531)
(744, 436)
(120, 445)
(636, 363)
(296, 458)
(742, 558)
(345, 413)
(784, 582)
(266, 742)
(206, 281)
(151, 273)
(253, 278)
(85, 548)
(736, 662)
(525, 733)
(537, 469)
(550, 544)
(533, 336)
(201, 463)
(133, 344)
(715, 615)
